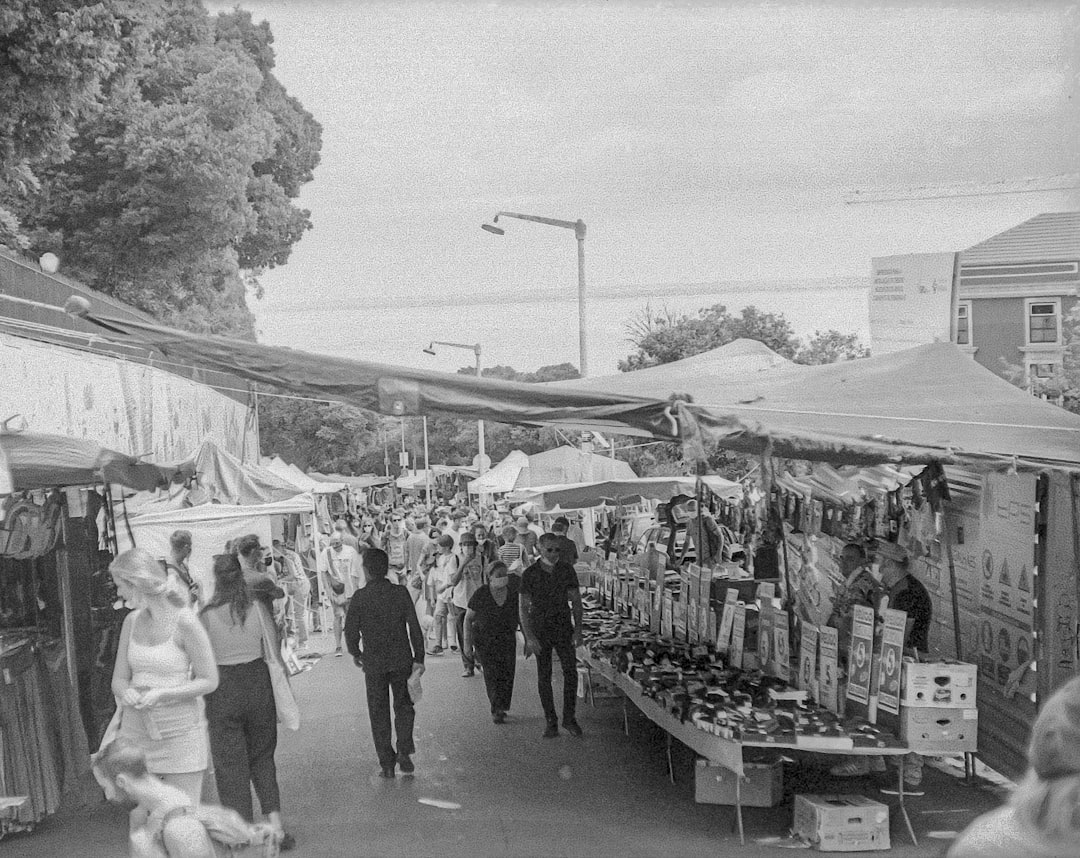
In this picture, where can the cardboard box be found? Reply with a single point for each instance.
(842, 823)
(949, 685)
(933, 730)
(763, 785)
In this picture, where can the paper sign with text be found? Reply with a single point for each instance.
(828, 685)
(860, 654)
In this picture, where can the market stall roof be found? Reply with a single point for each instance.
(929, 403)
(289, 473)
(582, 495)
(32, 460)
(568, 464)
(917, 405)
(222, 478)
(502, 477)
(397, 390)
(364, 481)
(300, 503)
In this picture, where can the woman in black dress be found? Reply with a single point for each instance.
(491, 623)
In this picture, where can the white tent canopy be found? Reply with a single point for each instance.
(298, 478)
(613, 492)
(501, 478)
(560, 466)
(211, 526)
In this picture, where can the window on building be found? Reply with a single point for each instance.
(1043, 370)
(963, 324)
(1043, 322)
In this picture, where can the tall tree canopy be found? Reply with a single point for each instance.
(173, 187)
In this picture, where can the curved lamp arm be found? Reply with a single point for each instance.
(577, 226)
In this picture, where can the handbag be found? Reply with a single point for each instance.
(288, 713)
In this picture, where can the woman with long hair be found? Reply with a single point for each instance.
(164, 667)
(242, 715)
(1042, 817)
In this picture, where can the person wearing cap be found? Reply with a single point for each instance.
(341, 576)
(177, 563)
(468, 578)
(1042, 816)
(342, 527)
(528, 539)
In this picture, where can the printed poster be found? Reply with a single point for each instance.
(738, 635)
(828, 686)
(808, 654)
(889, 661)
(781, 650)
(723, 639)
(861, 654)
(666, 619)
(764, 637)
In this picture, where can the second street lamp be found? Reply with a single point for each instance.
(481, 459)
(578, 226)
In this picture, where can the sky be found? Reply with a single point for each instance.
(699, 142)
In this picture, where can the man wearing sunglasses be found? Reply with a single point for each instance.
(549, 587)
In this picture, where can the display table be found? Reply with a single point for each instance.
(727, 752)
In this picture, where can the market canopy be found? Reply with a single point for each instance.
(502, 477)
(33, 460)
(929, 403)
(615, 492)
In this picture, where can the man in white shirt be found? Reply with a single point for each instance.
(341, 575)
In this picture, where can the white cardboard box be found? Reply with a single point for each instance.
(842, 823)
(934, 730)
(947, 684)
(763, 786)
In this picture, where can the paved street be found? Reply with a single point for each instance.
(519, 795)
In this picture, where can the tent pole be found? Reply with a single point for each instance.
(953, 590)
(63, 575)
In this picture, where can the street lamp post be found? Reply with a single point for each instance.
(475, 349)
(578, 226)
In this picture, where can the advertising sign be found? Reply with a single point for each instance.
(827, 676)
(911, 301)
(738, 635)
(781, 655)
(723, 638)
(808, 646)
(860, 654)
(889, 661)
(765, 637)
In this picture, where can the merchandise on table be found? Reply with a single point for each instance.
(948, 684)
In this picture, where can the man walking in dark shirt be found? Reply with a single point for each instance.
(568, 552)
(548, 589)
(382, 618)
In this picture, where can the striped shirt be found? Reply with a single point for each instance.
(510, 553)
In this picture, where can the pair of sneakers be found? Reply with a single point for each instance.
(571, 726)
(403, 762)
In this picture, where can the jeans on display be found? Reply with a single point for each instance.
(243, 737)
(563, 647)
(459, 631)
(499, 658)
(379, 686)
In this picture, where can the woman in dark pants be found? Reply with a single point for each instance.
(491, 627)
(241, 712)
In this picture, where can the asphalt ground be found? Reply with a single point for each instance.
(504, 790)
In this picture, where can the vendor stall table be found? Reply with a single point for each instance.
(727, 752)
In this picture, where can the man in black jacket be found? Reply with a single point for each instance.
(381, 616)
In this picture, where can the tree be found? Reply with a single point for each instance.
(830, 347)
(330, 438)
(666, 337)
(54, 56)
(178, 189)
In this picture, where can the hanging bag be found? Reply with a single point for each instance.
(288, 713)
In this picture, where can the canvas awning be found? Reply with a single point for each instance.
(502, 477)
(33, 460)
(929, 403)
(615, 492)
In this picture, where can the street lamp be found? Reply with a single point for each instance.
(475, 349)
(578, 226)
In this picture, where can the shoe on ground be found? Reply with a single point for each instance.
(436, 651)
(856, 767)
(552, 731)
(405, 763)
(499, 717)
(288, 843)
(386, 771)
(337, 653)
(468, 672)
(453, 648)
(573, 728)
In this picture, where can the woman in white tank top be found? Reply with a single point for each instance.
(164, 666)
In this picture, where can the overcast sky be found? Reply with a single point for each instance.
(699, 141)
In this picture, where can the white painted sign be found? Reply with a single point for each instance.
(911, 300)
